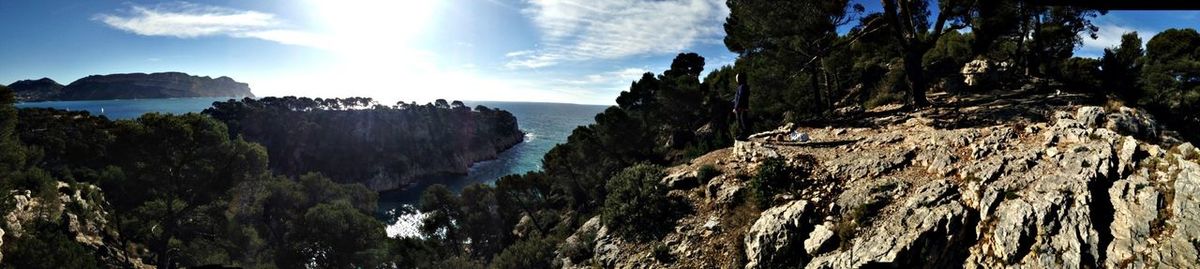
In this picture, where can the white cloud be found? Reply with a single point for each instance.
(518, 53)
(1109, 36)
(617, 77)
(578, 30)
(188, 20)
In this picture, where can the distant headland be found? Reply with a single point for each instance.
(130, 86)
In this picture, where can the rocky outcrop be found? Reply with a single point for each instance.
(36, 90)
(131, 86)
(1060, 186)
(83, 209)
(777, 236)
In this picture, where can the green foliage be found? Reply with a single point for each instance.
(175, 166)
(351, 139)
(659, 120)
(707, 172)
(457, 262)
(12, 153)
(47, 244)
(1121, 66)
(285, 223)
(480, 214)
(441, 208)
(411, 252)
(529, 253)
(662, 253)
(637, 205)
(946, 59)
(774, 176)
(1171, 78)
(336, 235)
(1082, 74)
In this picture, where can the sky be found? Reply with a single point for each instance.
(571, 51)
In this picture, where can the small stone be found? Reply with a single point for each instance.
(713, 223)
(1052, 152)
(818, 238)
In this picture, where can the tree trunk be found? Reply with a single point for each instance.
(812, 79)
(915, 75)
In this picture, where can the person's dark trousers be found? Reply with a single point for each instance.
(743, 123)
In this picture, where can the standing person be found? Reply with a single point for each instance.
(741, 106)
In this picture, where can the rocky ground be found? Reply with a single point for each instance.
(1025, 180)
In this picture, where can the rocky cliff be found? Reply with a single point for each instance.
(36, 90)
(131, 86)
(382, 147)
(1031, 181)
(82, 211)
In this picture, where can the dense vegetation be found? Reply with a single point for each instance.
(801, 68)
(189, 192)
(356, 140)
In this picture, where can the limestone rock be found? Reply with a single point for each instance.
(1091, 116)
(682, 180)
(1135, 206)
(777, 235)
(818, 240)
(1137, 123)
(932, 222)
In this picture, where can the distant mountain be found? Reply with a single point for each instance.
(131, 86)
(36, 90)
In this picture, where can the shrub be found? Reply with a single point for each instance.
(707, 172)
(530, 253)
(47, 245)
(662, 253)
(636, 203)
(774, 176)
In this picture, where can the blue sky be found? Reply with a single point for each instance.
(577, 51)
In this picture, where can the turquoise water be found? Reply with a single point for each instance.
(545, 125)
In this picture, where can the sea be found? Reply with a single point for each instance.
(544, 124)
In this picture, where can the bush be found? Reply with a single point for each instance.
(530, 253)
(47, 245)
(707, 172)
(662, 253)
(636, 203)
(774, 176)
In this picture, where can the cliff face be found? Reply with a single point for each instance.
(384, 148)
(1020, 182)
(36, 90)
(155, 85)
(130, 86)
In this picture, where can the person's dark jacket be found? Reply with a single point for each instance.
(741, 99)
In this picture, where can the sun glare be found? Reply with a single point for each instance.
(376, 39)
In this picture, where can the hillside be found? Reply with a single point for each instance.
(1027, 180)
(36, 90)
(131, 86)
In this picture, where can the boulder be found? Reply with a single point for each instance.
(682, 180)
(1134, 122)
(1091, 116)
(777, 235)
(818, 239)
(933, 221)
